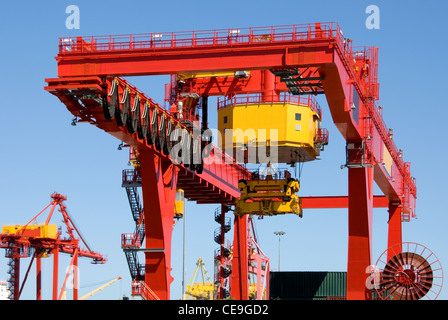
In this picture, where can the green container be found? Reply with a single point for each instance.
(308, 285)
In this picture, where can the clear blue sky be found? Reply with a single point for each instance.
(42, 153)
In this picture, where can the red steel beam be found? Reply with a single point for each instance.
(194, 59)
(338, 202)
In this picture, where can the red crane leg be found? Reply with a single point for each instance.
(239, 289)
(38, 278)
(16, 278)
(55, 273)
(75, 276)
(159, 181)
(394, 229)
(360, 207)
(269, 94)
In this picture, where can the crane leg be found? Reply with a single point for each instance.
(159, 180)
(394, 228)
(38, 278)
(55, 273)
(360, 197)
(239, 289)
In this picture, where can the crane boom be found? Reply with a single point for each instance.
(88, 295)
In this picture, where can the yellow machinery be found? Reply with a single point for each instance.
(270, 196)
(179, 204)
(200, 290)
(32, 231)
(271, 130)
(292, 126)
(134, 158)
(253, 290)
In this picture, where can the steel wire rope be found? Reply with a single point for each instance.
(83, 239)
(97, 283)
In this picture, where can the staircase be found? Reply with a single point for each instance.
(131, 242)
(223, 255)
(134, 202)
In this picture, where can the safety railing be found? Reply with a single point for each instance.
(140, 288)
(130, 240)
(370, 86)
(255, 98)
(386, 136)
(131, 176)
(322, 136)
(183, 39)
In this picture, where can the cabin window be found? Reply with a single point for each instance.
(298, 116)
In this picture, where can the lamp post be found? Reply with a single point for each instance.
(279, 234)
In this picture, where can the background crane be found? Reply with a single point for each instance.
(88, 295)
(203, 289)
(40, 241)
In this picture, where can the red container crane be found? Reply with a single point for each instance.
(297, 59)
(39, 241)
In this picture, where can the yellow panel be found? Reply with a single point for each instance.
(50, 231)
(179, 207)
(387, 160)
(35, 231)
(308, 125)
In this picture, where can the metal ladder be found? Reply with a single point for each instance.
(131, 182)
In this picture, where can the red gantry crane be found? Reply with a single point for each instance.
(41, 241)
(261, 64)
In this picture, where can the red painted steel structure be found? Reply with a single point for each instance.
(315, 58)
(20, 245)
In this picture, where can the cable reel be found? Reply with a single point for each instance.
(408, 271)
